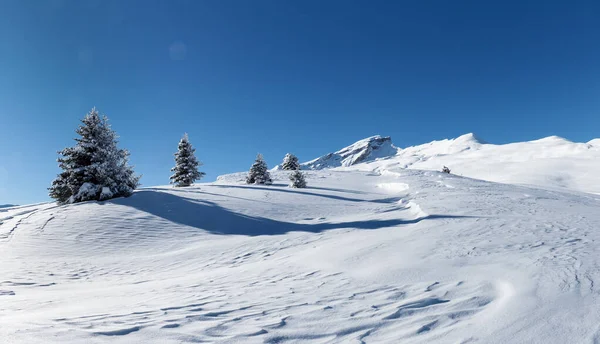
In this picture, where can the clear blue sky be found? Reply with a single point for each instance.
(307, 77)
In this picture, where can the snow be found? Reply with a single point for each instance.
(384, 255)
(382, 248)
(106, 193)
(595, 143)
(369, 149)
(86, 191)
(551, 162)
(7, 205)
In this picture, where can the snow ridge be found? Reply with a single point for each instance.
(551, 162)
(369, 149)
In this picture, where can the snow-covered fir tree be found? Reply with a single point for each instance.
(185, 172)
(95, 168)
(259, 174)
(290, 162)
(297, 179)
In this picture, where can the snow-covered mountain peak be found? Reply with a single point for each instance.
(552, 162)
(553, 139)
(470, 138)
(444, 147)
(365, 150)
(374, 142)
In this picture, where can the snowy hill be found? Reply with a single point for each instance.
(551, 162)
(369, 149)
(7, 205)
(397, 256)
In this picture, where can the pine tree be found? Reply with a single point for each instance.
(290, 162)
(259, 173)
(185, 172)
(297, 179)
(95, 168)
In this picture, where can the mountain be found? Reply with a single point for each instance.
(551, 162)
(369, 149)
(7, 205)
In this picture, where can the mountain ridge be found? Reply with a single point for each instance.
(550, 162)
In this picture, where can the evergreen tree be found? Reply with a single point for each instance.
(297, 179)
(290, 162)
(95, 168)
(259, 173)
(185, 172)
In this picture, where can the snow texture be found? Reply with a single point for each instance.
(368, 253)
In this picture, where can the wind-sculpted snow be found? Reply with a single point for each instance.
(400, 256)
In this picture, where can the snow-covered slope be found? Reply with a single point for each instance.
(369, 149)
(551, 162)
(399, 256)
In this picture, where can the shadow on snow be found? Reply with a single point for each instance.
(209, 216)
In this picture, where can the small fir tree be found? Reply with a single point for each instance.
(185, 172)
(95, 168)
(259, 173)
(297, 179)
(290, 162)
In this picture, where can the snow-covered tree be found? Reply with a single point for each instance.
(95, 168)
(290, 162)
(185, 172)
(297, 179)
(259, 174)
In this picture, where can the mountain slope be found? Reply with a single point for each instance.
(396, 256)
(369, 149)
(551, 162)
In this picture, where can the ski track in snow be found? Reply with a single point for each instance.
(386, 257)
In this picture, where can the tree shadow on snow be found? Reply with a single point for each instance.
(200, 191)
(292, 191)
(208, 216)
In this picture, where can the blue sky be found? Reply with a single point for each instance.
(307, 77)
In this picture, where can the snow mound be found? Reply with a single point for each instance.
(595, 143)
(369, 149)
